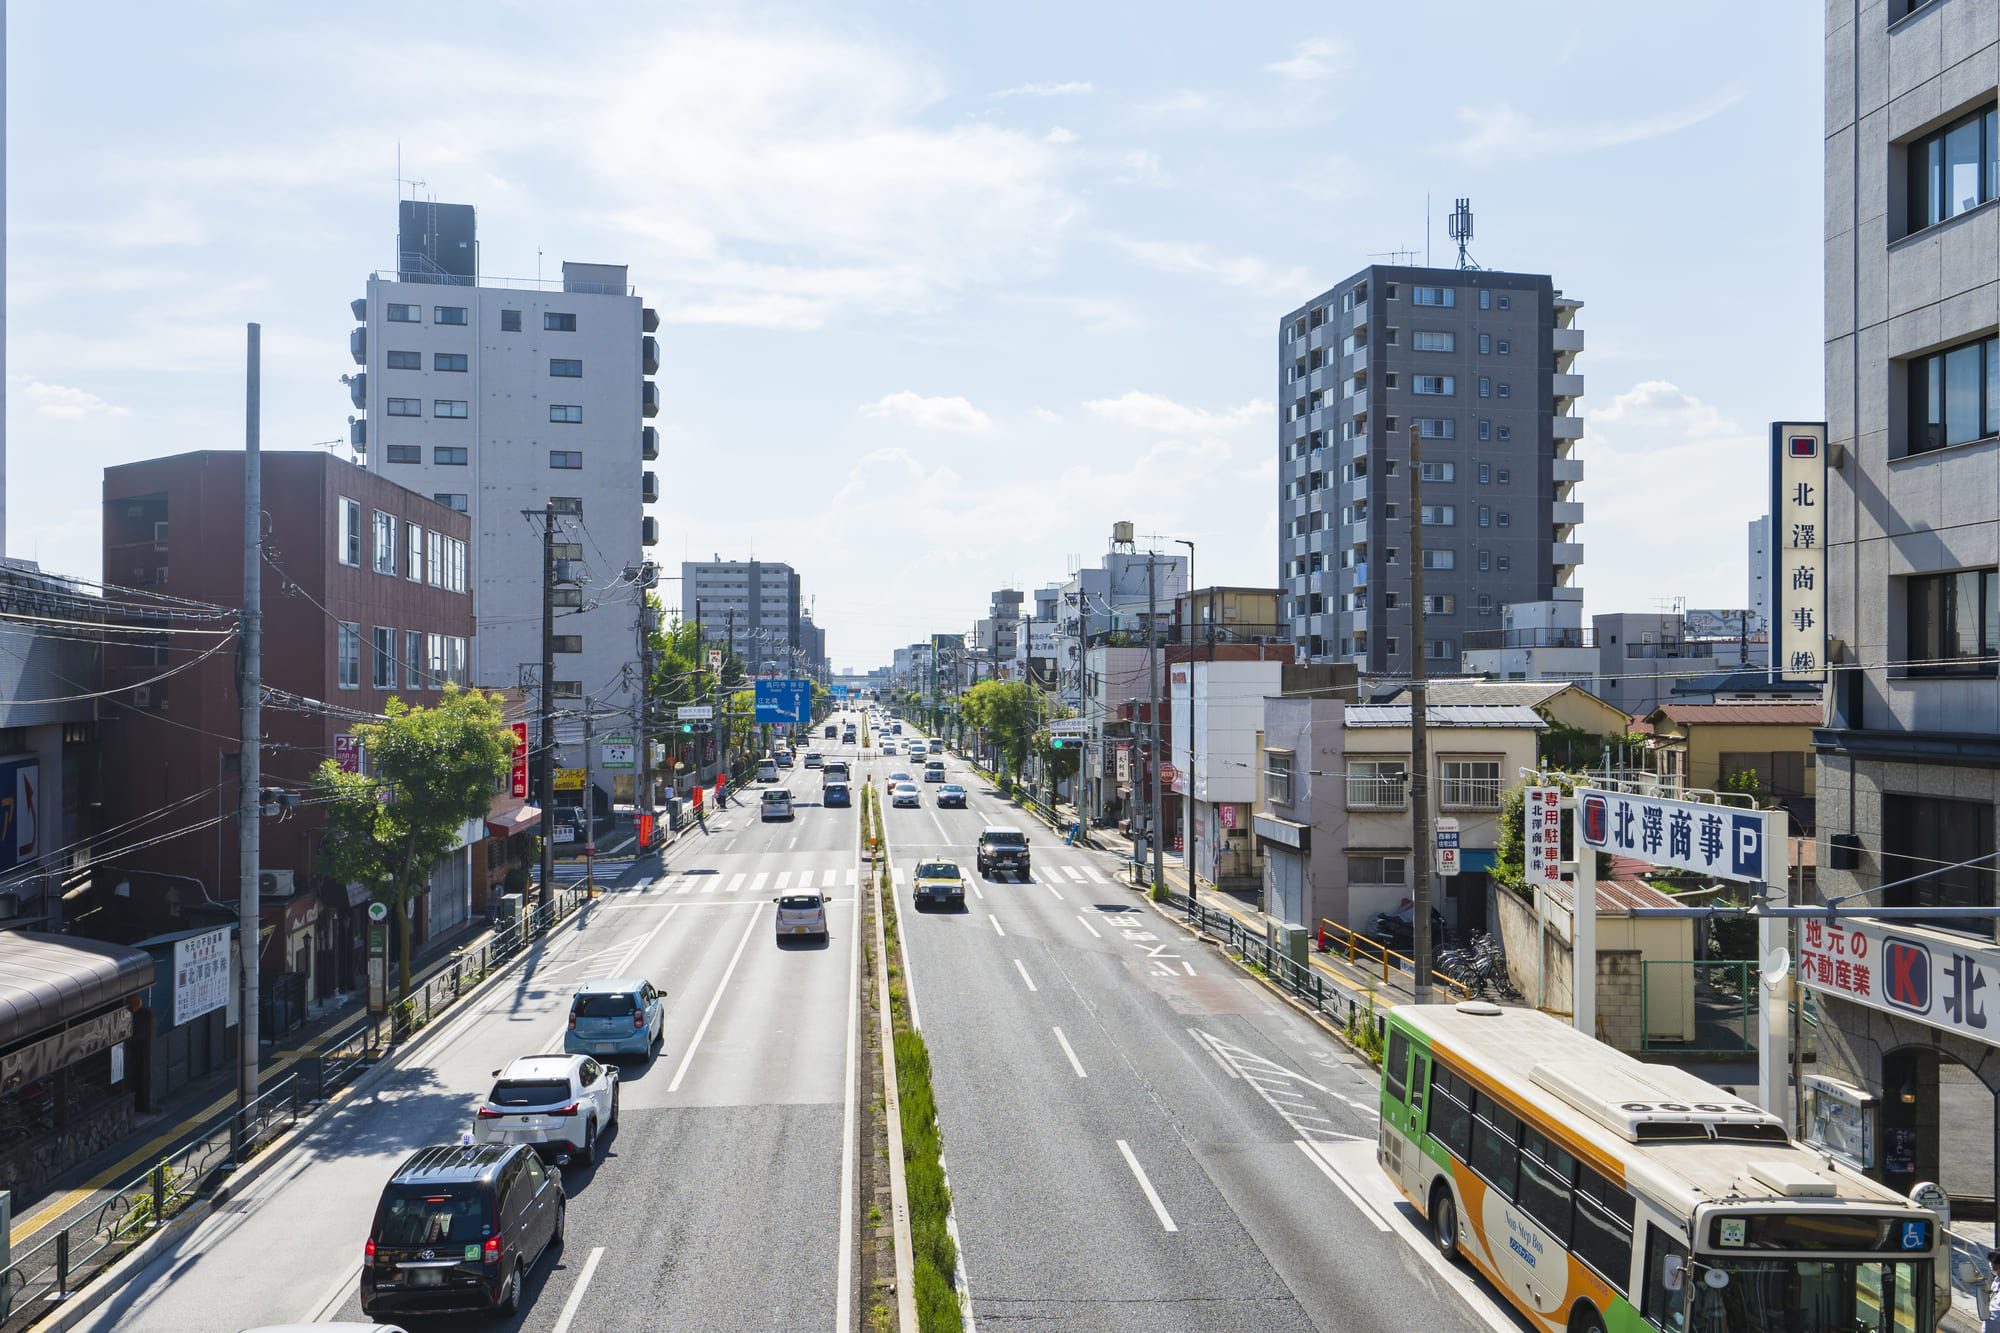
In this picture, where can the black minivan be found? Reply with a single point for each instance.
(458, 1227)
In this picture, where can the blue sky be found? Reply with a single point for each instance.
(947, 288)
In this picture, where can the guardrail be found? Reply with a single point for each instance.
(42, 1277)
(1360, 950)
(1311, 986)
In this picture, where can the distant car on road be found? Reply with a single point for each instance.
(895, 778)
(934, 770)
(767, 770)
(814, 759)
(906, 793)
(951, 795)
(458, 1228)
(888, 747)
(939, 882)
(556, 1104)
(776, 804)
(918, 749)
(834, 770)
(831, 731)
(801, 914)
(784, 758)
(835, 794)
(1003, 847)
(616, 1017)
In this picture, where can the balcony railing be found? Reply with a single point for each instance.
(1488, 639)
(1371, 793)
(1469, 794)
(1231, 632)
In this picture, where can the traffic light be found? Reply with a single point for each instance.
(1058, 742)
(687, 728)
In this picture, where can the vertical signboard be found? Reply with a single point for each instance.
(1542, 837)
(20, 811)
(518, 786)
(201, 974)
(1798, 550)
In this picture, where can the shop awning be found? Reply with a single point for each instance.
(49, 980)
(510, 815)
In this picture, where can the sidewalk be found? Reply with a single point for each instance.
(194, 1109)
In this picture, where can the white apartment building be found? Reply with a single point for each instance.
(752, 606)
(498, 398)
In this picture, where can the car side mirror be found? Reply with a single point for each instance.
(774, 899)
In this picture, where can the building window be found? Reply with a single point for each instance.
(405, 453)
(1506, 389)
(569, 689)
(1380, 870)
(406, 407)
(385, 543)
(434, 559)
(1389, 424)
(570, 460)
(1440, 516)
(1954, 623)
(1389, 336)
(383, 666)
(1437, 471)
(1425, 340)
(1505, 347)
(1923, 833)
(569, 643)
(1485, 387)
(558, 322)
(1438, 650)
(448, 314)
(1485, 429)
(566, 367)
(1955, 395)
(350, 532)
(1485, 300)
(449, 455)
(413, 548)
(1389, 380)
(1485, 340)
(1505, 476)
(1388, 291)
(1485, 561)
(406, 360)
(567, 414)
(452, 500)
(1469, 784)
(1278, 776)
(413, 660)
(405, 314)
(1953, 170)
(449, 409)
(1504, 518)
(1440, 560)
(1436, 385)
(1437, 428)
(1437, 296)
(1506, 302)
(1485, 476)
(449, 361)
(350, 656)
(1376, 784)
(1485, 517)
(510, 321)
(1503, 563)
(1506, 434)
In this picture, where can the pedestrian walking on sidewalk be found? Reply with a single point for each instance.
(1991, 1324)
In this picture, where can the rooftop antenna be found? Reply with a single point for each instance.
(1405, 255)
(1459, 227)
(1427, 228)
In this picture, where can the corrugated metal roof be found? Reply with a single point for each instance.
(1445, 715)
(1525, 693)
(1747, 714)
(1615, 897)
(47, 980)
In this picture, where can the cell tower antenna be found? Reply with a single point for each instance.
(1459, 228)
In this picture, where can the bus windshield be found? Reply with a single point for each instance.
(1816, 1295)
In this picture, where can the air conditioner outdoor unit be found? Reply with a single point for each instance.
(275, 883)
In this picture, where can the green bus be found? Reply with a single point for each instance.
(1602, 1194)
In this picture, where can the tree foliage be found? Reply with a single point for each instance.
(429, 770)
(1005, 711)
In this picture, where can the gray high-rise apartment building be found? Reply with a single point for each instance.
(1909, 764)
(751, 605)
(1482, 362)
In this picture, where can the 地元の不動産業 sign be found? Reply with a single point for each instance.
(1946, 985)
(1727, 842)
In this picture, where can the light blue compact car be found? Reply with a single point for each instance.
(624, 1016)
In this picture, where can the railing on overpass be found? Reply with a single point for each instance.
(1362, 951)
(44, 1276)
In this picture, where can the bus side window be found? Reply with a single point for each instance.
(1666, 1280)
(1396, 1064)
(1420, 1081)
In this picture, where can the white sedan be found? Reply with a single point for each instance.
(906, 793)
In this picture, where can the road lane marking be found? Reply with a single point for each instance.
(1074, 1063)
(794, 845)
(576, 1292)
(1074, 874)
(1024, 973)
(757, 882)
(1152, 1195)
(784, 879)
(713, 1001)
(996, 925)
(843, 1319)
(853, 877)
(1361, 1205)
(977, 892)
(336, 1295)
(1056, 891)
(829, 879)
(1096, 875)
(1087, 926)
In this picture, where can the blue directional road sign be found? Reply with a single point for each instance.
(784, 701)
(840, 691)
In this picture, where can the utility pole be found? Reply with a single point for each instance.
(1420, 834)
(547, 786)
(1190, 839)
(589, 807)
(642, 791)
(1153, 675)
(250, 726)
(722, 757)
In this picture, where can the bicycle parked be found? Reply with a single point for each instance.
(1479, 966)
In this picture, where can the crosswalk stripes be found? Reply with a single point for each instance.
(1096, 875)
(1074, 874)
(681, 884)
(785, 880)
(757, 883)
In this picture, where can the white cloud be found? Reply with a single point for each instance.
(1314, 58)
(67, 403)
(1072, 89)
(1139, 166)
(1042, 414)
(1058, 135)
(1654, 442)
(1153, 412)
(952, 414)
(1500, 133)
(1245, 271)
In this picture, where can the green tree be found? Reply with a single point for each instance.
(429, 771)
(1005, 711)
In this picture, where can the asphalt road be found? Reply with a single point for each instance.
(1138, 1135)
(718, 1202)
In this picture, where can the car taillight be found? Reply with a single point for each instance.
(368, 1252)
(490, 1251)
(572, 1022)
(490, 1113)
(563, 1110)
(638, 1020)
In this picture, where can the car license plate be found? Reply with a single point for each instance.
(426, 1277)
(801, 930)
(607, 1045)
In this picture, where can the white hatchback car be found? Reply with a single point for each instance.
(557, 1104)
(801, 914)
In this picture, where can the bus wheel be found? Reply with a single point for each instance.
(1444, 1221)
(1585, 1319)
